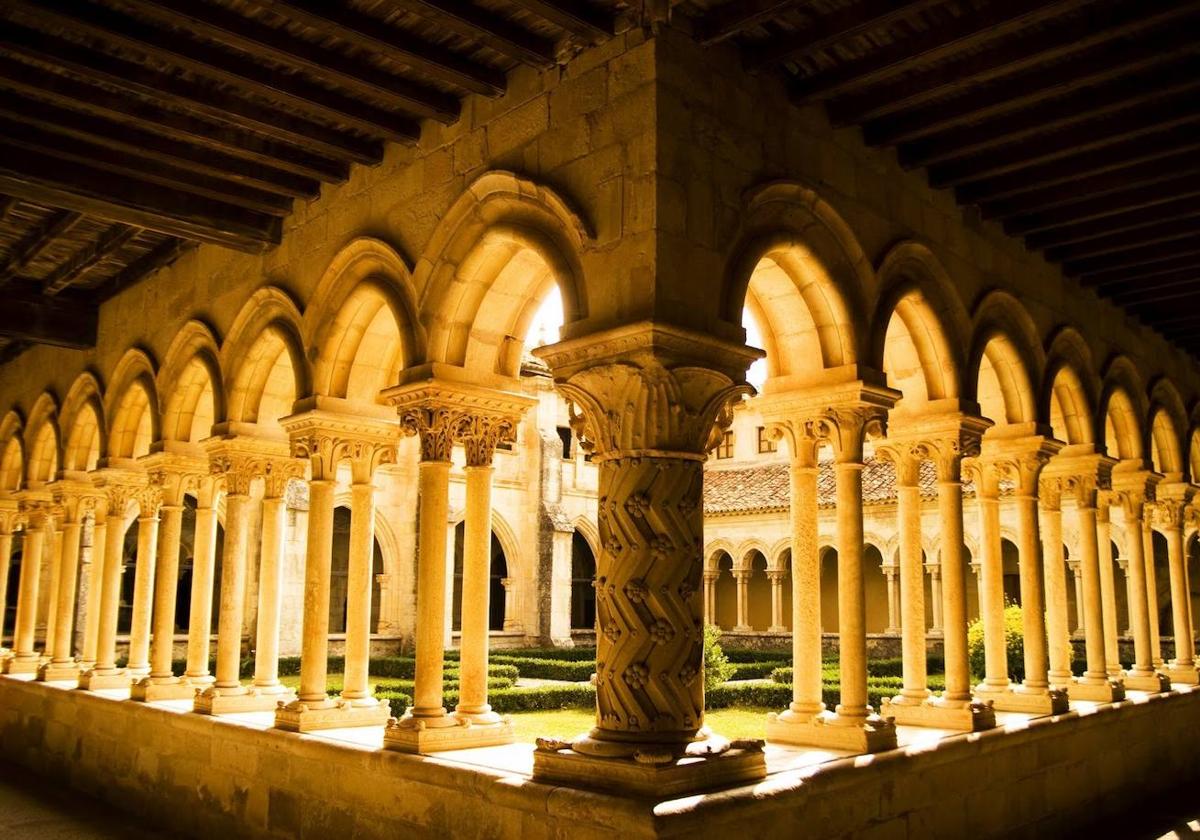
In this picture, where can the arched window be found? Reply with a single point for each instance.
(496, 593)
(340, 574)
(583, 576)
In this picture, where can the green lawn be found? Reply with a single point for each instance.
(567, 723)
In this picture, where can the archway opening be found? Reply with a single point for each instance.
(340, 574)
(726, 592)
(583, 578)
(758, 591)
(498, 572)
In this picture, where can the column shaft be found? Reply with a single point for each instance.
(1139, 613)
(358, 593)
(1032, 602)
(1108, 592)
(742, 578)
(1080, 611)
(1185, 646)
(61, 647)
(954, 591)
(166, 582)
(204, 559)
(1057, 630)
(1089, 571)
(143, 595)
(110, 593)
(1152, 592)
(27, 592)
(314, 648)
(477, 545)
(48, 599)
(893, 601)
(806, 593)
(95, 585)
(6, 544)
(270, 593)
(776, 579)
(935, 593)
(233, 594)
(991, 606)
(434, 478)
(912, 592)
(852, 607)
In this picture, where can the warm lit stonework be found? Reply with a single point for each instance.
(351, 352)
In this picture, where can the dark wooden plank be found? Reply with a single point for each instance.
(306, 147)
(44, 179)
(962, 33)
(7, 203)
(497, 33)
(1093, 187)
(59, 223)
(373, 35)
(1111, 158)
(121, 163)
(1114, 203)
(1137, 121)
(1183, 208)
(826, 30)
(735, 17)
(1183, 228)
(1129, 293)
(1116, 99)
(158, 257)
(111, 241)
(574, 16)
(1078, 34)
(1129, 273)
(150, 145)
(222, 66)
(28, 316)
(1134, 258)
(1026, 90)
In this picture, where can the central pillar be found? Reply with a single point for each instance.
(95, 578)
(650, 397)
(1132, 487)
(1169, 515)
(775, 576)
(38, 527)
(741, 579)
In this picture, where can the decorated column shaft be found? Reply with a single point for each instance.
(95, 583)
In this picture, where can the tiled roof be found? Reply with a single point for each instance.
(767, 488)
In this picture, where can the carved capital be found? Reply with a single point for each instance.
(906, 456)
(1168, 515)
(10, 516)
(1017, 464)
(325, 438)
(434, 428)
(236, 471)
(480, 435)
(76, 503)
(1050, 491)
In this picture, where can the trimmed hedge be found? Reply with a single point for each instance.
(549, 669)
(776, 656)
(755, 670)
(760, 693)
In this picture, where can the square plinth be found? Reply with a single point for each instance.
(63, 672)
(1154, 683)
(1100, 691)
(296, 716)
(22, 665)
(965, 717)
(826, 731)
(217, 701)
(411, 735)
(741, 763)
(101, 680)
(1050, 701)
(1185, 674)
(150, 691)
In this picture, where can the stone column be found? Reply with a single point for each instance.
(512, 624)
(935, 593)
(95, 578)
(650, 397)
(1025, 471)
(1108, 584)
(710, 595)
(24, 658)
(741, 578)
(1123, 565)
(47, 602)
(480, 434)
(277, 474)
(1080, 612)
(9, 518)
(775, 576)
(991, 577)
(1169, 513)
(76, 506)
(204, 560)
(120, 488)
(1058, 631)
(1151, 588)
(893, 601)
(1095, 683)
(1132, 487)
(149, 499)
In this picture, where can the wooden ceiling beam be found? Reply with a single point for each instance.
(111, 241)
(575, 16)
(735, 17)
(126, 165)
(1112, 158)
(58, 223)
(496, 33)
(1114, 224)
(954, 36)
(1189, 288)
(1137, 238)
(148, 144)
(1095, 186)
(29, 316)
(1033, 51)
(1137, 121)
(241, 74)
(1134, 258)
(1168, 282)
(1114, 203)
(374, 36)
(311, 145)
(1130, 273)
(826, 30)
(158, 257)
(1113, 100)
(47, 180)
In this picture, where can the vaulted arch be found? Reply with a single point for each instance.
(1168, 423)
(1124, 409)
(12, 452)
(263, 362)
(1005, 360)
(83, 424)
(43, 441)
(1069, 394)
(191, 385)
(131, 406)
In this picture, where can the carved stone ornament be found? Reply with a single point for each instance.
(444, 413)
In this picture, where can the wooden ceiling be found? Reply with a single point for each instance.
(133, 129)
(1073, 123)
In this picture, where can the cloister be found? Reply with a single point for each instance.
(796, 392)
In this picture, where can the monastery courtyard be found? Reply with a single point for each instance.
(599, 418)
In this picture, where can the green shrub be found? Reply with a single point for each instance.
(576, 654)
(398, 701)
(717, 668)
(543, 698)
(739, 656)
(758, 693)
(782, 675)
(549, 669)
(754, 670)
(1013, 642)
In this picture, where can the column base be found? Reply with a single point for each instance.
(1153, 682)
(231, 701)
(153, 689)
(1017, 698)
(706, 765)
(22, 664)
(1186, 674)
(935, 714)
(97, 680)
(298, 716)
(828, 731)
(412, 735)
(61, 672)
(1098, 691)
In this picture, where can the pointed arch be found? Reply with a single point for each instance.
(489, 264)
(12, 452)
(934, 326)
(191, 370)
(590, 532)
(365, 283)
(268, 326)
(1069, 394)
(799, 270)
(1123, 406)
(83, 424)
(509, 542)
(1004, 341)
(43, 441)
(131, 405)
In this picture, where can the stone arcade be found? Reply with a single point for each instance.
(346, 423)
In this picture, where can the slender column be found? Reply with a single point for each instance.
(954, 584)
(1108, 591)
(512, 624)
(852, 606)
(149, 499)
(95, 582)
(907, 461)
(166, 582)
(893, 601)
(434, 488)
(1135, 570)
(935, 594)
(1123, 565)
(1027, 469)
(1057, 630)
(47, 599)
(204, 559)
(233, 584)
(317, 572)
(270, 577)
(360, 568)
(742, 579)
(776, 579)
(1089, 575)
(105, 673)
(8, 520)
(62, 665)
(1152, 591)
(1080, 611)
(24, 658)
(991, 605)
(1170, 520)
(710, 596)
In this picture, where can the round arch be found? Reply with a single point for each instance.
(191, 369)
(1069, 394)
(268, 326)
(131, 407)
(714, 550)
(1005, 343)
(12, 452)
(1123, 406)
(1168, 423)
(83, 427)
(741, 560)
(43, 441)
